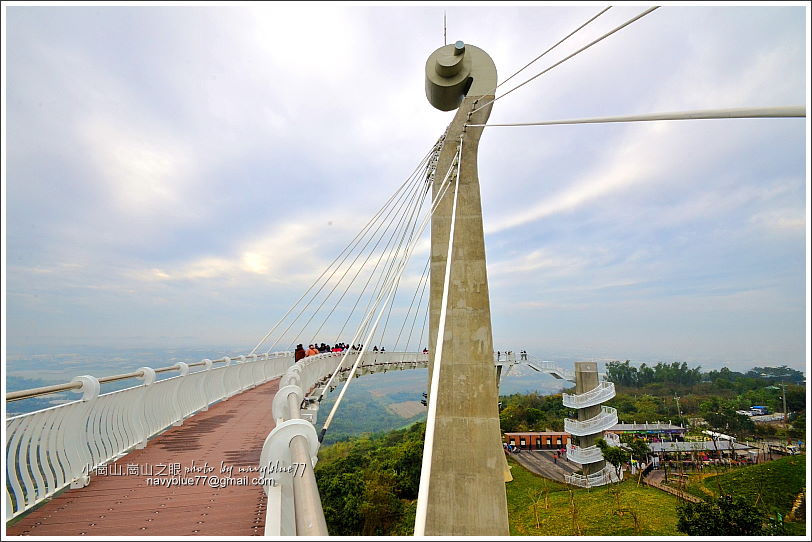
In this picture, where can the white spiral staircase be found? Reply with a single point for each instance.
(605, 419)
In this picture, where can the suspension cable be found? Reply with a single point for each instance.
(435, 204)
(584, 48)
(397, 285)
(420, 287)
(365, 344)
(431, 171)
(553, 47)
(423, 329)
(419, 304)
(360, 253)
(412, 198)
(348, 247)
(379, 276)
(732, 113)
(389, 267)
(381, 219)
(416, 207)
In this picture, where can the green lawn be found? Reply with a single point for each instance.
(773, 485)
(596, 510)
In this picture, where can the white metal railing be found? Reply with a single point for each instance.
(603, 392)
(553, 368)
(61, 446)
(294, 506)
(583, 456)
(605, 419)
(504, 357)
(590, 454)
(607, 475)
(612, 439)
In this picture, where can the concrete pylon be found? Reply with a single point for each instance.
(467, 483)
(586, 379)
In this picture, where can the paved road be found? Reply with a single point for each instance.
(542, 463)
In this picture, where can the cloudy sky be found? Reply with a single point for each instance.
(179, 175)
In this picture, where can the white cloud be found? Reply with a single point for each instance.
(781, 220)
(220, 157)
(145, 174)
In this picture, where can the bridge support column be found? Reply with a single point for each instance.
(466, 494)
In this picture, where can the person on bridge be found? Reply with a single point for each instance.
(311, 351)
(299, 353)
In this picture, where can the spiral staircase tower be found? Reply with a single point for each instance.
(593, 420)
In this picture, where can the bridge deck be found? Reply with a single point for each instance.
(230, 433)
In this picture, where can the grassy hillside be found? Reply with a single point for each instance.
(369, 484)
(604, 511)
(773, 485)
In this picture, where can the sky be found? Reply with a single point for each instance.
(179, 175)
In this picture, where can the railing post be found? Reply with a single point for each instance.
(79, 452)
(180, 408)
(290, 450)
(204, 383)
(140, 413)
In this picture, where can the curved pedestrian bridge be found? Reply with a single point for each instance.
(173, 457)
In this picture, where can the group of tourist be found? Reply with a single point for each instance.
(314, 349)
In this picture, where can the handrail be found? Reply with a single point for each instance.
(583, 456)
(61, 446)
(420, 358)
(604, 391)
(605, 419)
(56, 388)
(604, 476)
(294, 505)
(44, 390)
(553, 368)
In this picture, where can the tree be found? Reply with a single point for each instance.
(380, 508)
(638, 449)
(615, 455)
(724, 516)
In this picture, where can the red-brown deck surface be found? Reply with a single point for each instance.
(230, 433)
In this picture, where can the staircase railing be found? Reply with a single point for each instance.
(583, 456)
(603, 421)
(607, 475)
(602, 393)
